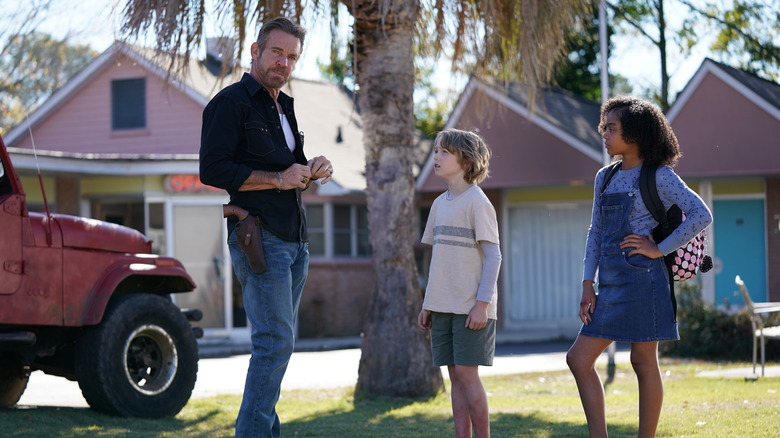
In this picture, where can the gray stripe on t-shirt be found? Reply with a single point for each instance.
(453, 243)
(446, 230)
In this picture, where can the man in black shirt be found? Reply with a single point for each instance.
(251, 147)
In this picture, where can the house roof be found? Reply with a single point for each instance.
(727, 122)
(769, 90)
(561, 121)
(321, 108)
(568, 113)
(764, 93)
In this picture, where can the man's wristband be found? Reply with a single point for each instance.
(281, 181)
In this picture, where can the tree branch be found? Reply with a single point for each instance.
(768, 49)
(633, 24)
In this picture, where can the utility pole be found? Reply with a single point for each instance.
(604, 53)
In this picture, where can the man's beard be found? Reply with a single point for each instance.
(274, 81)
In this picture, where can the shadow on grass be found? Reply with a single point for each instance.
(384, 418)
(51, 421)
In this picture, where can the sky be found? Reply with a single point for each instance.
(93, 22)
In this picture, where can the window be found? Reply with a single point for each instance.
(315, 219)
(155, 227)
(338, 230)
(128, 104)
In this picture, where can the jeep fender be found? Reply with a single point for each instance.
(134, 274)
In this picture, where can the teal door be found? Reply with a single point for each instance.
(740, 250)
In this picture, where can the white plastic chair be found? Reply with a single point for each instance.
(757, 310)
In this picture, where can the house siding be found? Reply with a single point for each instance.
(83, 123)
(524, 154)
(551, 194)
(111, 185)
(32, 188)
(336, 298)
(722, 133)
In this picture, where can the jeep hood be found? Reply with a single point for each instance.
(79, 232)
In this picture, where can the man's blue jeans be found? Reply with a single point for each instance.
(271, 302)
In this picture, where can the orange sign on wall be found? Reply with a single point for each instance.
(187, 184)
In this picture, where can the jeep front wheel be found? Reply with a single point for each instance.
(140, 361)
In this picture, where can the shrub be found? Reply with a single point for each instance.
(709, 333)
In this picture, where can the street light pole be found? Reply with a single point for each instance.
(604, 53)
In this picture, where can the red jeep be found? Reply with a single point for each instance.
(86, 300)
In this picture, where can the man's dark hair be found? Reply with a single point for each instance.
(646, 126)
(285, 25)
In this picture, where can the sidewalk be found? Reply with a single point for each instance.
(333, 363)
(222, 371)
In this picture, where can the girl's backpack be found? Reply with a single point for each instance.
(684, 262)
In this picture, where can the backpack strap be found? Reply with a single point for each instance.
(611, 171)
(649, 192)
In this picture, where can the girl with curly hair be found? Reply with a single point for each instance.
(633, 303)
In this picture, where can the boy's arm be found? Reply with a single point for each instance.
(478, 317)
(490, 268)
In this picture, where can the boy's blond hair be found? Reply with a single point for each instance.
(471, 150)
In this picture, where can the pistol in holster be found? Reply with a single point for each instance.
(249, 234)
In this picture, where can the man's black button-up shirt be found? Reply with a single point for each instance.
(242, 132)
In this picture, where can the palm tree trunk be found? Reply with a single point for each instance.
(396, 358)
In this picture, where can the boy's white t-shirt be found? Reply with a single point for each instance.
(454, 229)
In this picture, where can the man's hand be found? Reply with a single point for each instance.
(296, 176)
(321, 168)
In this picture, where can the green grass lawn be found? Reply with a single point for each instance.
(523, 405)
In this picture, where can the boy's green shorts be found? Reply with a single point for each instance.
(454, 344)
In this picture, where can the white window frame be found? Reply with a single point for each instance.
(328, 211)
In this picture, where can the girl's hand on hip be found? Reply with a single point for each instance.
(644, 245)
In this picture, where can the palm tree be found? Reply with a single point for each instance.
(512, 40)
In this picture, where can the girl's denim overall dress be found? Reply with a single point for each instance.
(633, 302)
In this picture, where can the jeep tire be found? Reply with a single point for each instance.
(140, 361)
(13, 379)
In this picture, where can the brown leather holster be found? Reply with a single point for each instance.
(249, 233)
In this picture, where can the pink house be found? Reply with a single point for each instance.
(540, 184)
(728, 124)
(120, 141)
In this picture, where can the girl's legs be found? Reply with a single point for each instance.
(469, 402)
(581, 359)
(644, 360)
